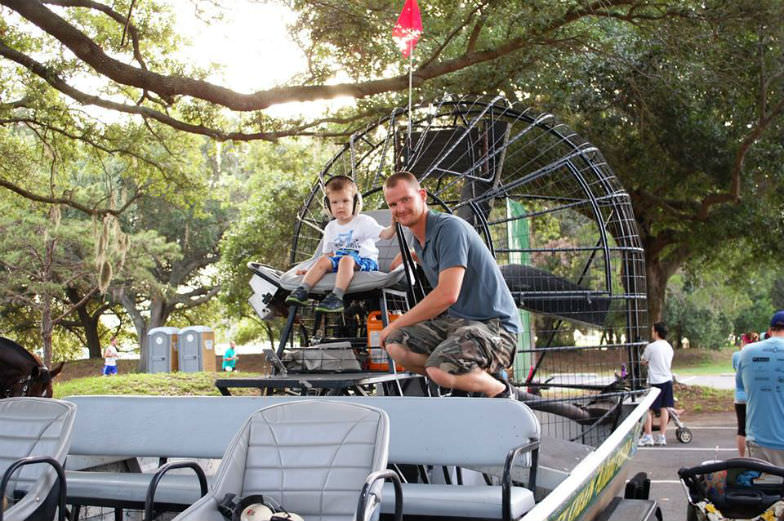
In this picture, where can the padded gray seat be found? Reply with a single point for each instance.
(363, 280)
(311, 457)
(461, 501)
(33, 427)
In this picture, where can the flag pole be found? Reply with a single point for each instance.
(410, 88)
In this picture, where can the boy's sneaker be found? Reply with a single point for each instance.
(646, 440)
(660, 440)
(331, 304)
(298, 296)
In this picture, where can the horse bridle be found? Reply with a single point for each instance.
(26, 382)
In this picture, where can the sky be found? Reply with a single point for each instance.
(250, 33)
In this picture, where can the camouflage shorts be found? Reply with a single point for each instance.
(458, 345)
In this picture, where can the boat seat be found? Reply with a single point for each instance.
(34, 429)
(311, 457)
(422, 432)
(363, 280)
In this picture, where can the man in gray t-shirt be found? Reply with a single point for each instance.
(464, 331)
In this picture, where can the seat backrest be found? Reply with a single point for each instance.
(387, 249)
(310, 456)
(421, 428)
(33, 427)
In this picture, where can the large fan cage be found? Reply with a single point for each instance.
(548, 207)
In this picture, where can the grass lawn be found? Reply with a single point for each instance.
(78, 379)
(158, 384)
(699, 399)
(694, 362)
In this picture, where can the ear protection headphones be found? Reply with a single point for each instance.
(254, 508)
(357, 204)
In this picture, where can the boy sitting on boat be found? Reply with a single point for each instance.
(349, 245)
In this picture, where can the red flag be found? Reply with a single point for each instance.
(408, 28)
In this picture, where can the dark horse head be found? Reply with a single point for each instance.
(22, 373)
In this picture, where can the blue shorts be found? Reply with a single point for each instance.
(364, 263)
(109, 370)
(665, 398)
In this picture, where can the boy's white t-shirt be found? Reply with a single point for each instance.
(658, 354)
(360, 234)
(110, 360)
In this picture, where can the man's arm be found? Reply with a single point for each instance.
(398, 260)
(645, 355)
(739, 376)
(450, 281)
(388, 232)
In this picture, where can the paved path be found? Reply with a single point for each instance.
(717, 381)
(714, 437)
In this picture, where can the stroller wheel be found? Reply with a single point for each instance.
(683, 434)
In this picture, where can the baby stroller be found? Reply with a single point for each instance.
(682, 433)
(733, 489)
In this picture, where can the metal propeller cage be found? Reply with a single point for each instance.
(551, 211)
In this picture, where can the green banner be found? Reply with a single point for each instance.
(519, 237)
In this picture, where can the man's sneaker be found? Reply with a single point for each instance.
(298, 296)
(646, 440)
(660, 440)
(331, 304)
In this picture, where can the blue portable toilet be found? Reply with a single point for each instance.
(196, 349)
(161, 356)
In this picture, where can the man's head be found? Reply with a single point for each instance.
(113, 341)
(660, 331)
(777, 323)
(405, 198)
(342, 198)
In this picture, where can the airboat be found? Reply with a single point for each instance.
(561, 228)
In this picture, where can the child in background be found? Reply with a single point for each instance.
(349, 245)
(230, 357)
(110, 355)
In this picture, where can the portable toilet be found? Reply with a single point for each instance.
(162, 350)
(196, 349)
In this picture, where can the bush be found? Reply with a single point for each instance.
(703, 327)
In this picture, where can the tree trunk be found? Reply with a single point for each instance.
(159, 313)
(46, 330)
(658, 270)
(89, 323)
(657, 286)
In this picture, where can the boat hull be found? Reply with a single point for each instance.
(598, 478)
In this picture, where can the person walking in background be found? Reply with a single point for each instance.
(230, 357)
(658, 357)
(760, 374)
(110, 355)
(740, 395)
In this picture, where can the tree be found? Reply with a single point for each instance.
(684, 98)
(124, 45)
(37, 262)
(263, 230)
(689, 114)
(170, 265)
